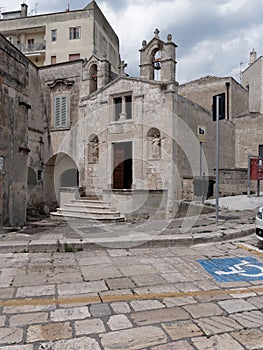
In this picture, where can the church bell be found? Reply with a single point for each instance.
(157, 65)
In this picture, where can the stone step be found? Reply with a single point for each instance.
(86, 213)
(86, 216)
(89, 208)
(89, 204)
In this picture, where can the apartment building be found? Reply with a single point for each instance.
(64, 36)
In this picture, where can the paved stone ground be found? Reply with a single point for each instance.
(128, 299)
(44, 234)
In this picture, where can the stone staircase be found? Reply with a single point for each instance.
(89, 209)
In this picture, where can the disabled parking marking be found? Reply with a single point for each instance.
(234, 269)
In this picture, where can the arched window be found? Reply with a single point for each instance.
(156, 64)
(93, 78)
(154, 143)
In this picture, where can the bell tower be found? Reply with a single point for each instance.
(157, 59)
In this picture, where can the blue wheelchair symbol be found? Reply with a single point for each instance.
(234, 269)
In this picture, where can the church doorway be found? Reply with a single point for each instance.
(122, 165)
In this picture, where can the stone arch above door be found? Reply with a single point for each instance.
(60, 171)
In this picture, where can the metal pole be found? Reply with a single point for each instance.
(217, 157)
(203, 188)
(248, 177)
(201, 160)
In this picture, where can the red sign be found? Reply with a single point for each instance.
(256, 168)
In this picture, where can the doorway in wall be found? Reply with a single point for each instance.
(122, 165)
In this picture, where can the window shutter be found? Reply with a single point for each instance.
(64, 111)
(61, 111)
(57, 112)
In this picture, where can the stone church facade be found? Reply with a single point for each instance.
(132, 142)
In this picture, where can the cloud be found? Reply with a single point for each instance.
(213, 36)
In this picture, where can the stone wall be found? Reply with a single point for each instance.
(14, 148)
(249, 131)
(193, 115)
(232, 181)
(252, 79)
(201, 91)
(22, 130)
(59, 79)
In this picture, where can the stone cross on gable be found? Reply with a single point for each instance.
(156, 33)
(122, 68)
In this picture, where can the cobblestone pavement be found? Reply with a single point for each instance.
(128, 299)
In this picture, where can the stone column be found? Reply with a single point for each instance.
(123, 115)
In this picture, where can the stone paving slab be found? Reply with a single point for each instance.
(133, 339)
(197, 313)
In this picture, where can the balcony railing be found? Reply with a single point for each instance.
(32, 47)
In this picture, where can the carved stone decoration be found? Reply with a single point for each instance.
(60, 82)
(154, 140)
(93, 156)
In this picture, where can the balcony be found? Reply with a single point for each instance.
(32, 48)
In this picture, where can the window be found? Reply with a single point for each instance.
(122, 107)
(73, 56)
(53, 35)
(40, 175)
(31, 44)
(260, 150)
(53, 59)
(117, 107)
(93, 72)
(61, 109)
(74, 33)
(128, 102)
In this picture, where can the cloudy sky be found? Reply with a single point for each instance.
(214, 37)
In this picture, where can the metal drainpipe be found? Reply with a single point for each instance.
(227, 99)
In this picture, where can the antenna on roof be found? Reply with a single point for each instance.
(33, 12)
(68, 8)
(240, 71)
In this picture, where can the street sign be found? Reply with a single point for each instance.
(256, 168)
(234, 269)
(219, 106)
(201, 133)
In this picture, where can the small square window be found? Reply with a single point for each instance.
(53, 59)
(74, 56)
(74, 33)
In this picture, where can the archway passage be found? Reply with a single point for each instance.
(122, 165)
(60, 171)
(69, 178)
